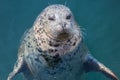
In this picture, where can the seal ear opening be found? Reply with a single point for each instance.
(91, 64)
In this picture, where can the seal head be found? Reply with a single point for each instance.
(58, 22)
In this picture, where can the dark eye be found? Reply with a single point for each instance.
(68, 16)
(51, 18)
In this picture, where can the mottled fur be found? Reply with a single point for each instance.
(53, 48)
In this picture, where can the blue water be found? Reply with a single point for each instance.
(100, 20)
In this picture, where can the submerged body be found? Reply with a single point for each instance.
(51, 64)
(53, 49)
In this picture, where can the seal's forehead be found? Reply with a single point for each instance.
(57, 8)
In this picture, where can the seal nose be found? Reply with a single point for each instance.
(63, 25)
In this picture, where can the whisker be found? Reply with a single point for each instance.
(49, 2)
(83, 30)
(66, 2)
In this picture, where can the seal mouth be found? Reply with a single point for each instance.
(62, 36)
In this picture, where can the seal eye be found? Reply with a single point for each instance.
(68, 16)
(51, 18)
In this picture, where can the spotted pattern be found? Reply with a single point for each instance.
(50, 56)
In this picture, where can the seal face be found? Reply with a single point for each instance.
(53, 49)
(55, 26)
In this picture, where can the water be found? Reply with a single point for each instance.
(100, 18)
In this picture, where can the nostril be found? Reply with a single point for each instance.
(63, 25)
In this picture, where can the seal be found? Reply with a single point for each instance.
(53, 49)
